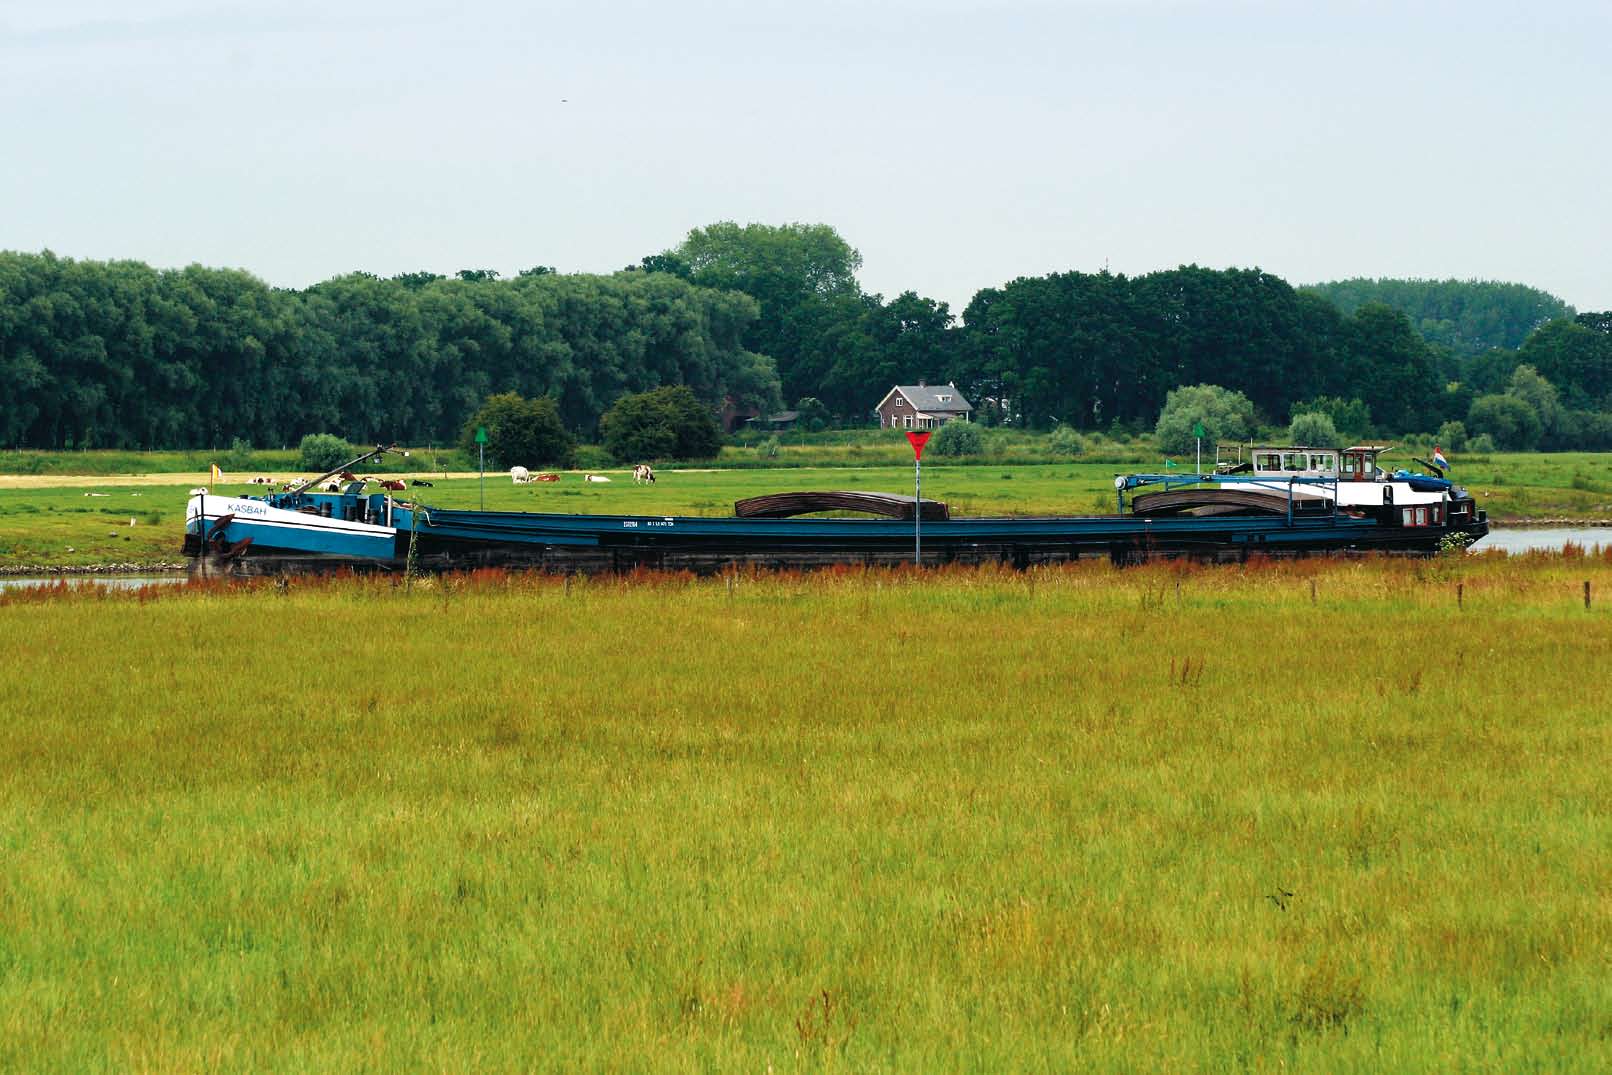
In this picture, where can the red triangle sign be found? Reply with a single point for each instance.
(918, 441)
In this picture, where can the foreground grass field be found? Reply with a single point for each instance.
(1314, 815)
(61, 520)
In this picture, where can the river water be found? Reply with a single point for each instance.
(111, 582)
(1517, 539)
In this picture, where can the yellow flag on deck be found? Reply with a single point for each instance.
(218, 475)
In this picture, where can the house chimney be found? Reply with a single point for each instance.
(921, 382)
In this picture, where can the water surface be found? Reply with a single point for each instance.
(1516, 539)
(112, 582)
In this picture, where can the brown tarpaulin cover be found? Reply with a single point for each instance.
(785, 505)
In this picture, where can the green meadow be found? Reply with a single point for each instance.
(1317, 815)
(62, 520)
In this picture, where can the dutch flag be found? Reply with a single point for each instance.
(1438, 458)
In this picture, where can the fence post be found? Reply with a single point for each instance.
(1586, 595)
(1459, 587)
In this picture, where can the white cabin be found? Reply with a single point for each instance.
(1361, 483)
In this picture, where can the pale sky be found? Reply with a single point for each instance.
(956, 143)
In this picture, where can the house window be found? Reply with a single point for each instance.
(1406, 517)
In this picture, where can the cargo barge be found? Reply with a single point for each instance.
(1241, 509)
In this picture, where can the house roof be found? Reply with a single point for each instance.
(928, 397)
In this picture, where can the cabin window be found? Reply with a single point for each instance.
(1321, 462)
(1293, 461)
(1268, 461)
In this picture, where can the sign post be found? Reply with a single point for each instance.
(917, 440)
(481, 452)
(1197, 432)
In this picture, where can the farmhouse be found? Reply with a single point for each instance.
(921, 406)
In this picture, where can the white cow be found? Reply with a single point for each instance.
(520, 475)
(642, 474)
(596, 478)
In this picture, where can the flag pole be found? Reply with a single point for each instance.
(917, 509)
(917, 440)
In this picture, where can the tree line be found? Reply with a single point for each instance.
(117, 354)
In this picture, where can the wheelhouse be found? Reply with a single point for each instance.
(1360, 462)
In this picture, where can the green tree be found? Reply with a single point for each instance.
(811, 413)
(1468, 316)
(1510, 421)
(1452, 435)
(1350, 417)
(1396, 369)
(1573, 356)
(520, 432)
(958, 438)
(1065, 441)
(1313, 429)
(667, 263)
(666, 423)
(803, 276)
(1224, 414)
(1527, 385)
(319, 452)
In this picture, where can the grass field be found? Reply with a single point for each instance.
(63, 520)
(1311, 816)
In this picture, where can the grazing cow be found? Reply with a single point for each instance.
(420, 481)
(260, 481)
(394, 484)
(641, 474)
(520, 475)
(596, 478)
(332, 486)
(545, 477)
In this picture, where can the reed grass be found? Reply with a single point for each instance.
(1163, 818)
